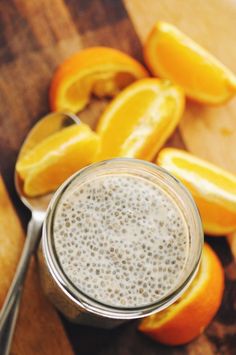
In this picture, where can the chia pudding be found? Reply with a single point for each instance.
(121, 240)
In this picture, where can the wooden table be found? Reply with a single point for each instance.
(35, 36)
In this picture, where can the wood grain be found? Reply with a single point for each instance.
(11, 242)
(207, 132)
(39, 329)
(35, 36)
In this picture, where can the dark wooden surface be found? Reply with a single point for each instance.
(35, 36)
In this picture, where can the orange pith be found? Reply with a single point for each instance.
(54, 159)
(140, 119)
(213, 188)
(171, 54)
(101, 71)
(188, 317)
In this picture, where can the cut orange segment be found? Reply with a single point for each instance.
(171, 54)
(187, 318)
(101, 71)
(213, 188)
(140, 119)
(50, 162)
(41, 130)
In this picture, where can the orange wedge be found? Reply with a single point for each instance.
(187, 318)
(213, 188)
(170, 54)
(41, 130)
(50, 162)
(140, 119)
(101, 71)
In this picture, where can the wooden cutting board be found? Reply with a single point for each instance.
(39, 330)
(35, 36)
(207, 132)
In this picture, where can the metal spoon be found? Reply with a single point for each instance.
(38, 206)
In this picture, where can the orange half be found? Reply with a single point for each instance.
(171, 54)
(101, 71)
(213, 188)
(140, 119)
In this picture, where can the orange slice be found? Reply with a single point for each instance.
(50, 162)
(101, 71)
(140, 119)
(213, 188)
(41, 130)
(170, 54)
(189, 316)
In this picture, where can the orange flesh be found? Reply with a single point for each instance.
(171, 54)
(140, 119)
(51, 161)
(102, 71)
(213, 189)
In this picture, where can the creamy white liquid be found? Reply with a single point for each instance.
(121, 240)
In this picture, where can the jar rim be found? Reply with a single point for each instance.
(85, 301)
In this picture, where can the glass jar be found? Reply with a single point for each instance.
(81, 308)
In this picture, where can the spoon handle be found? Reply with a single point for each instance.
(8, 329)
(9, 310)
